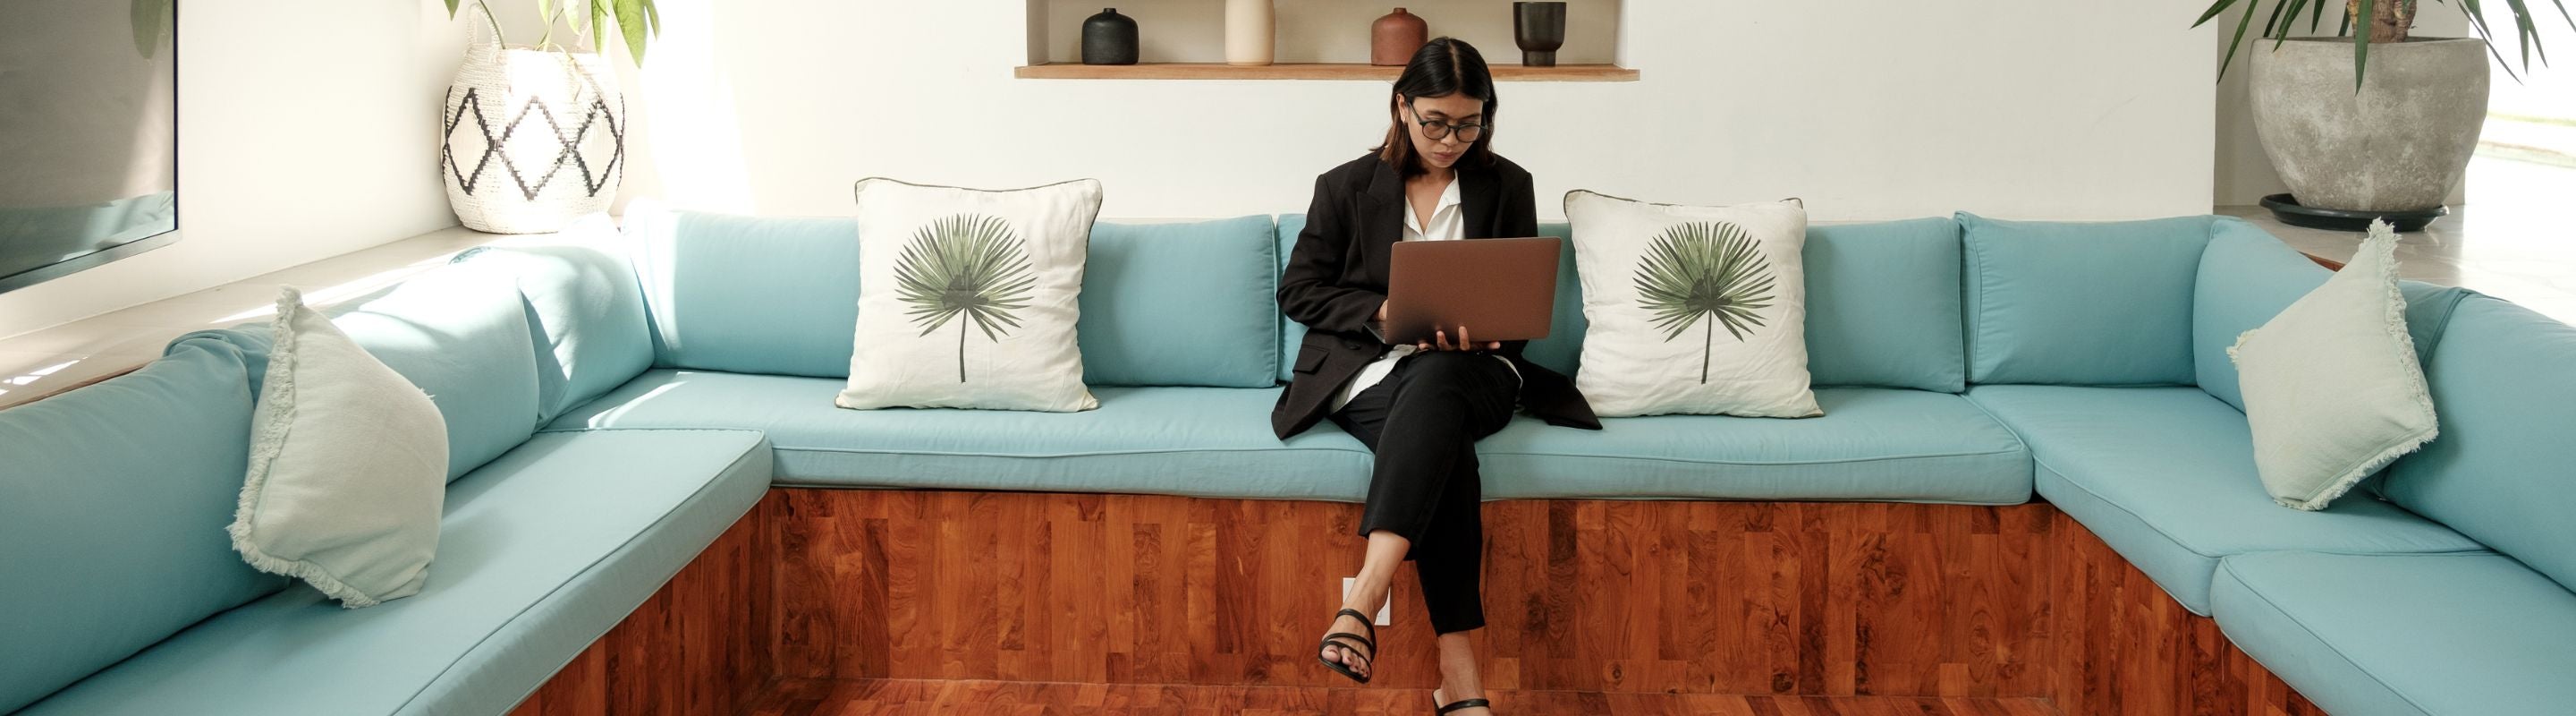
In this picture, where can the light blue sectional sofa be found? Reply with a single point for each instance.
(655, 386)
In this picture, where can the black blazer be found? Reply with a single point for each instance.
(1337, 275)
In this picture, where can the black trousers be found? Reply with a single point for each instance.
(1423, 422)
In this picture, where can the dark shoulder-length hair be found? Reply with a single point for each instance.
(1442, 67)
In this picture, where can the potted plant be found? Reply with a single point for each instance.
(533, 137)
(2391, 141)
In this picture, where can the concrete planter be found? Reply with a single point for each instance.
(2400, 144)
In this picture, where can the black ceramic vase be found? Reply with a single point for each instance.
(1539, 28)
(1109, 39)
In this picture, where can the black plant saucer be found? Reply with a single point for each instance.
(2287, 208)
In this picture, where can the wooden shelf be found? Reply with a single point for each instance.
(1304, 71)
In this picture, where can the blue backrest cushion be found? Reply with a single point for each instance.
(2081, 303)
(1290, 332)
(2503, 469)
(745, 294)
(1162, 304)
(2247, 276)
(1188, 303)
(584, 310)
(113, 504)
(1883, 305)
(461, 334)
(458, 332)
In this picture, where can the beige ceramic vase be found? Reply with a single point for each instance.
(1251, 28)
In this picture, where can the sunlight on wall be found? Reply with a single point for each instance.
(682, 105)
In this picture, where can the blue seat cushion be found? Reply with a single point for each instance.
(2166, 477)
(1208, 442)
(540, 553)
(2405, 635)
(1871, 444)
(113, 502)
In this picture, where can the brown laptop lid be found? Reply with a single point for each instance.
(1500, 289)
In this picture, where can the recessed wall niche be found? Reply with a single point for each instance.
(1316, 39)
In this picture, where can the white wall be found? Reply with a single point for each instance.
(308, 128)
(2018, 108)
(2244, 174)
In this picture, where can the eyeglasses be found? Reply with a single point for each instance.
(1436, 129)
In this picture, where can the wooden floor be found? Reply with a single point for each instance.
(867, 697)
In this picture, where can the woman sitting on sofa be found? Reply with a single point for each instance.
(1422, 407)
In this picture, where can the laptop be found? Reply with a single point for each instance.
(1500, 289)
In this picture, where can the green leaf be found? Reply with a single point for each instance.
(451, 9)
(2361, 44)
(2526, 33)
(2293, 13)
(2272, 27)
(2478, 22)
(2237, 42)
(2316, 14)
(632, 21)
(151, 20)
(1704, 270)
(2214, 9)
(965, 268)
(599, 27)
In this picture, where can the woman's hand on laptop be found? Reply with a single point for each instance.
(1441, 342)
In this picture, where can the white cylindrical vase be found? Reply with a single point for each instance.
(1251, 32)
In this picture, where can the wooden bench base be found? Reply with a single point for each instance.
(1738, 598)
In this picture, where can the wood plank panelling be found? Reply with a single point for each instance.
(864, 601)
(1582, 595)
(1017, 698)
(698, 646)
(2126, 648)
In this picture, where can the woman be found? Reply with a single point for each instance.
(1421, 407)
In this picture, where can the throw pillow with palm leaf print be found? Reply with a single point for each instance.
(968, 297)
(1692, 309)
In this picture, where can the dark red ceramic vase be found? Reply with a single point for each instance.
(1394, 39)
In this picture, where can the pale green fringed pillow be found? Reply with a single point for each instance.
(348, 467)
(2332, 386)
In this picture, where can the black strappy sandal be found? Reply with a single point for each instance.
(1460, 704)
(1343, 639)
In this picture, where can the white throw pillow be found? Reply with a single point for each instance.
(1693, 309)
(967, 297)
(2332, 387)
(348, 467)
